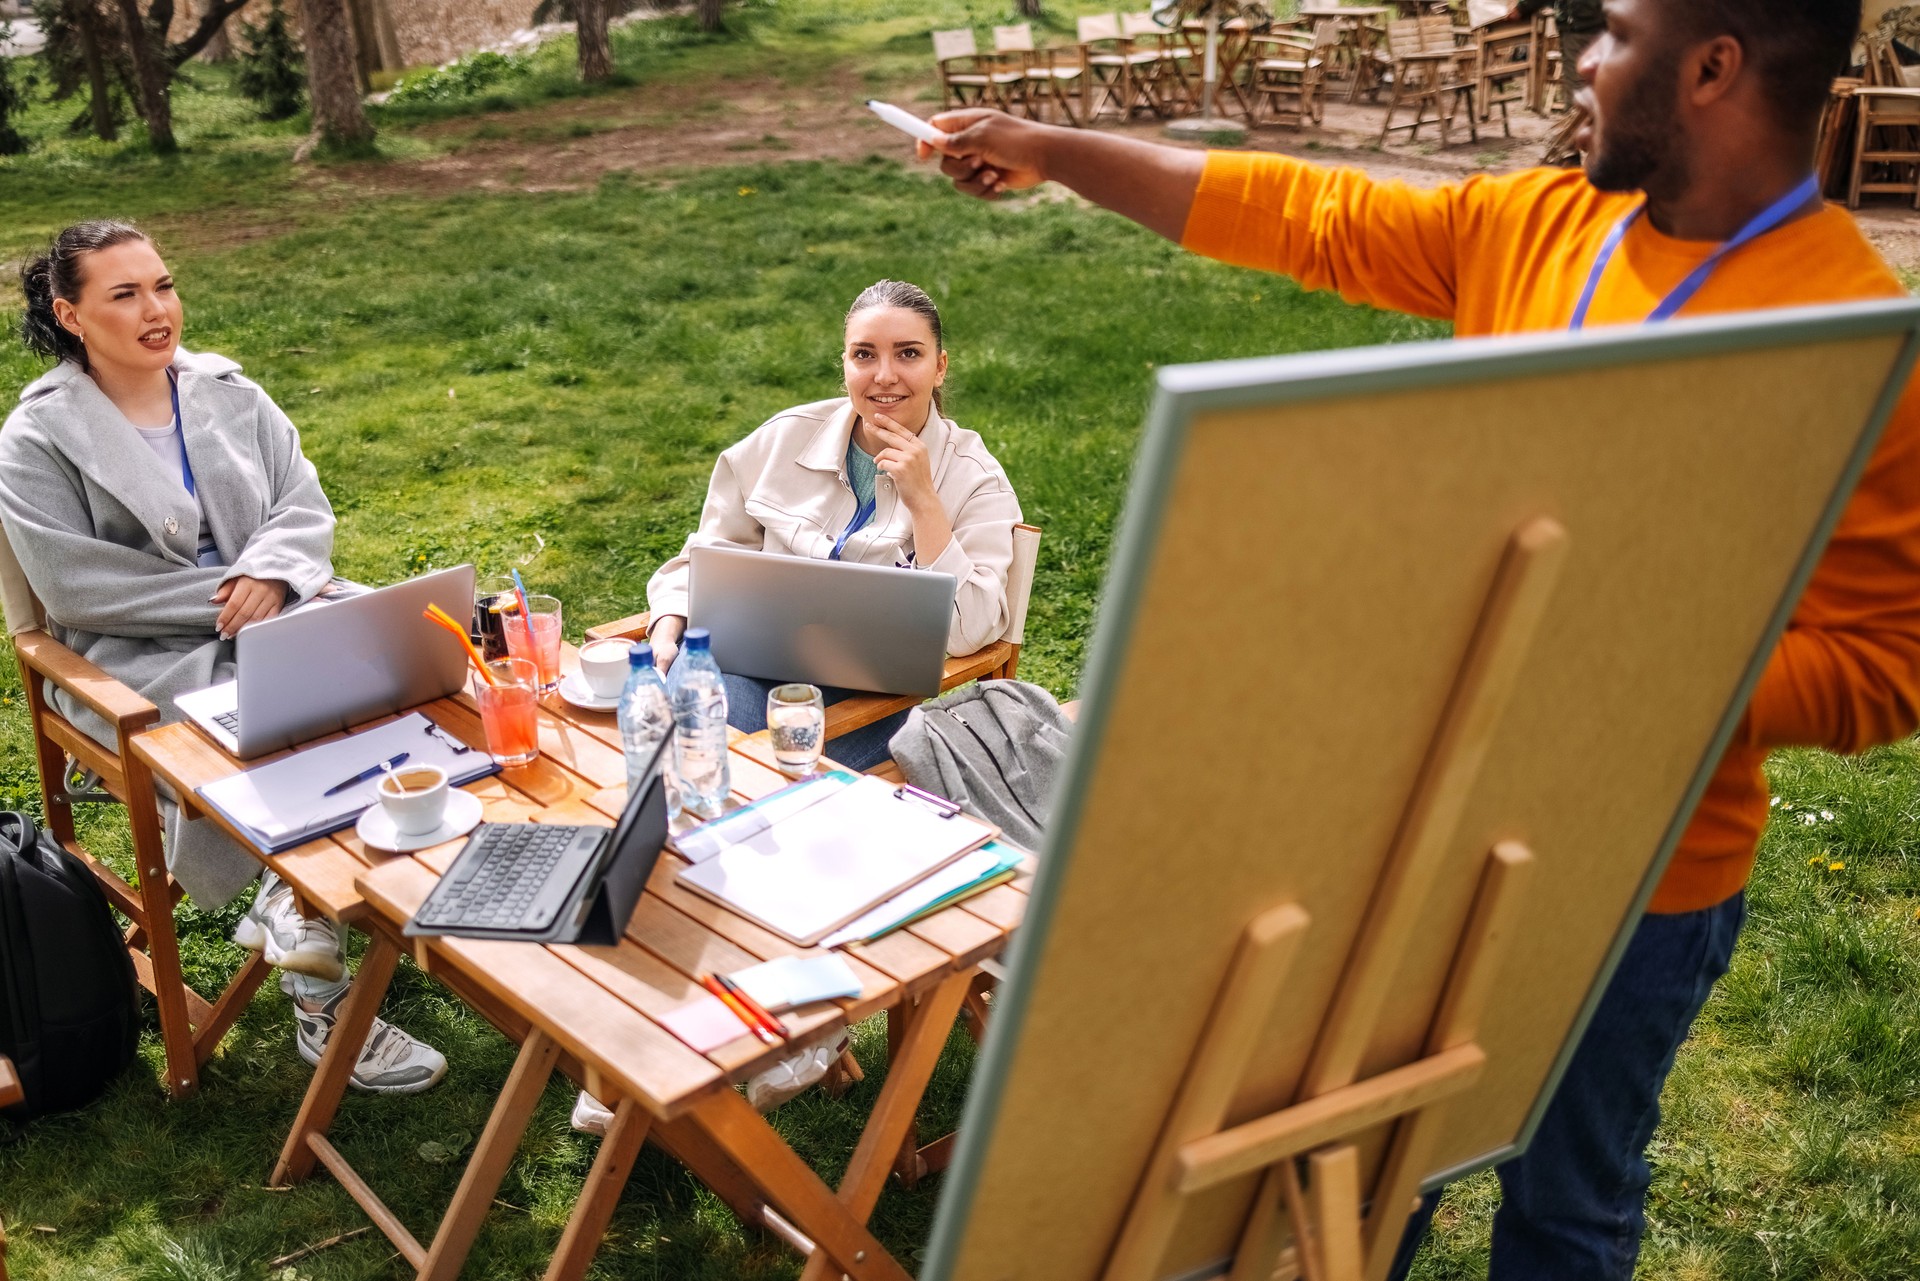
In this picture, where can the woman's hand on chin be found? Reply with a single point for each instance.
(247, 600)
(904, 458)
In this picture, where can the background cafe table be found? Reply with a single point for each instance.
(592, 1012)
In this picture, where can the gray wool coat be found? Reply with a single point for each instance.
(108, 542)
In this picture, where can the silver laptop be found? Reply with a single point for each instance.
(330, 665)
(826, 622)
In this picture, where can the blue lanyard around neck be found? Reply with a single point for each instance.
(1763, 222)
(180, 430)
(861, 515)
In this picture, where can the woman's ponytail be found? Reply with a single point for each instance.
(57, 274)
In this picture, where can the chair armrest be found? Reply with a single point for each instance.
(96, 690)
(632, 627)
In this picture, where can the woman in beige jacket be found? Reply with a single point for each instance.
(879, 477)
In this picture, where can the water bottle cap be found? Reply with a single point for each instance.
(640, 654)
(696, 638)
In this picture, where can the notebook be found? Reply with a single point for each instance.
(282, 804)
(813, 870)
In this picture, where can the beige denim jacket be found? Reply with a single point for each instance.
(784, 489)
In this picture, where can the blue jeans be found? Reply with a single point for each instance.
(1573, 1208)
(862, 749)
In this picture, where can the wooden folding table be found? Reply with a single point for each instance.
(592, 1012)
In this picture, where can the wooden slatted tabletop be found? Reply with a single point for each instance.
(594, 1011)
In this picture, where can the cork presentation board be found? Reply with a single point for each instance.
(1305, 554)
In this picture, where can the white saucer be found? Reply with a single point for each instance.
(574, 688)
(377, 830)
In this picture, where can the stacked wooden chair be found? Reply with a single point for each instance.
(1431, 74)
(1288, 74)
(1162, 57)
(1886, 137)
(190, 1026)
(967, 77)
(1050, 78)
(1501, 78)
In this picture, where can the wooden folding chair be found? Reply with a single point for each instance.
(1107, 66)
(190, 1027)
(1000, 660)
(1426, 74)
(1289, 72)
(1161, 58)
(1047, 75)
(1498, 78)
(967, 79)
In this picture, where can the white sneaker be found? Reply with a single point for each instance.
(274, 926)
(590, 1115)
(391, 1062)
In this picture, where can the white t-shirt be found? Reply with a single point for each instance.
(165, 442)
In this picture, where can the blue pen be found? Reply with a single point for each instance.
(365, 774)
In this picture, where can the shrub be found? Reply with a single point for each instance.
(272, 72)
(462, 79)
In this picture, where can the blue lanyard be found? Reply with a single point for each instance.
(861, 516)
(180, 427)
(1763, 222)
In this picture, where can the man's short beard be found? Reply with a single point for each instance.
(1640, 145)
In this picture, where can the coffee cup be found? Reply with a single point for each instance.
(415, 798)
(603, 665)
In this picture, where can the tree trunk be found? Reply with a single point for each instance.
(150, 74)
(99, 91)
(219, 46)
(709, 15)
(339, 116)
(1029, 8)
(596, 60)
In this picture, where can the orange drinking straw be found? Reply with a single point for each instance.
(437, 616)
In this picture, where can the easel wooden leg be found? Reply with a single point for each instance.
(1253, 1258)
(330, 1079)
(1333, 1199)
(491, 1157)
(907, 1075)
(598, 1199)
(1246, 998)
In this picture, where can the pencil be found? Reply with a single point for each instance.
(754, 1007)
(739, 1011)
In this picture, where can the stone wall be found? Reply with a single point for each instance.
(426, 32)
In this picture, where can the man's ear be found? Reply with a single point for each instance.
(1711, 70)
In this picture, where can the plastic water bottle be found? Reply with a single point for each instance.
(646, 717)
(699, 698)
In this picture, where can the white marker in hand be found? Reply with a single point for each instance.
(906, 122)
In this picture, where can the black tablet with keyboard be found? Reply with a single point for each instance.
(552, 882)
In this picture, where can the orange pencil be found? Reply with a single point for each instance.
(726, 998)
(759, 1011)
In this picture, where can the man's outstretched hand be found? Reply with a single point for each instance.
(988, 152)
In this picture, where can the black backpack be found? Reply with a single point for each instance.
(69, 1006)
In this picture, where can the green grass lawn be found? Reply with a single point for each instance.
(544, 380)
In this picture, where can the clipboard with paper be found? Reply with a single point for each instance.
(822, 866)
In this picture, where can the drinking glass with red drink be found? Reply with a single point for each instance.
(509, 710)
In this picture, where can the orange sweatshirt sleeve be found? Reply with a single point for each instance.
(1382, 243)
(1846, 674)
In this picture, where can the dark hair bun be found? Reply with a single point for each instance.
(57, 273)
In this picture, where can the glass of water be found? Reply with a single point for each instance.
(797, 723)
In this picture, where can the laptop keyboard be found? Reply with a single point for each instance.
(511, 876)
(229, 721)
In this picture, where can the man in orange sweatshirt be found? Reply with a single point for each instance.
(1701, 117)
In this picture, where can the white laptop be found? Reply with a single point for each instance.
(330, 665)
(826, 622)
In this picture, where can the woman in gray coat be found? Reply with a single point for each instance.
(159, 502)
